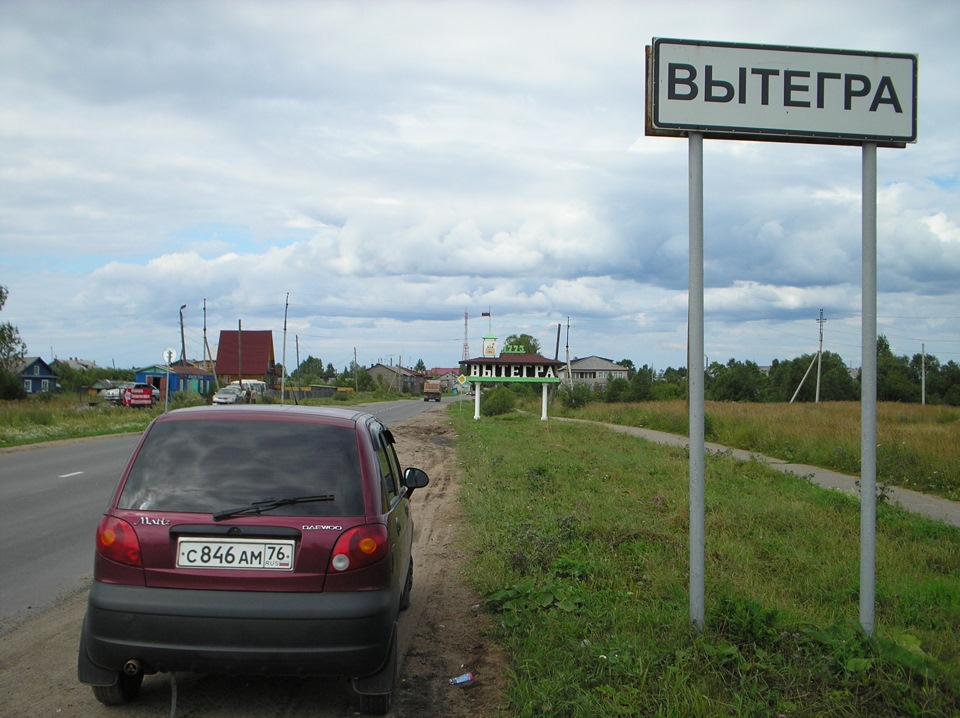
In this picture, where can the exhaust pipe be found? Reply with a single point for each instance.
(132, 667)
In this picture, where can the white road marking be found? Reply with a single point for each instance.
(67, 476)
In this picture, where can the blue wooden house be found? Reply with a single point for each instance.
(183, 377)
(37, 376)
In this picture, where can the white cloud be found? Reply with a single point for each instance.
(943, 228)
(392, 165)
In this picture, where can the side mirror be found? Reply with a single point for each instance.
(415, 479)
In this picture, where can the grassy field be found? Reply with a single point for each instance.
(918, 447)
(34, 421)
(578, 538)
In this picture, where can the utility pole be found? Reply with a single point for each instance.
(283, 370)
(207, 354)
(569, 374)
(183, 343)
(819, 355)
(923, 374)
(299, 393)
(466, 342)
(240, 352)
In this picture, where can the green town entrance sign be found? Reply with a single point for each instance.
(513, 365)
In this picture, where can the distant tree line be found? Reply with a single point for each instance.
(899, 378)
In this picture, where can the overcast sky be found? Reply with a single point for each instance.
(391, 166)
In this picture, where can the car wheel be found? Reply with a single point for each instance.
(123, 691)
(376, 705)
(407, 589)
(376, 691)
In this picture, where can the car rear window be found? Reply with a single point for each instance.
(210, 466)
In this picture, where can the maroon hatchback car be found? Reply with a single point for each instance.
(267, 540)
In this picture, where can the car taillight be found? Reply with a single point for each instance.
(117, 541)
(359, 547)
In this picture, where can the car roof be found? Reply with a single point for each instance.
(270, 412)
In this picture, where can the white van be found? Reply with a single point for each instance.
(257, 388)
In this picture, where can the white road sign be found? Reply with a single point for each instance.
(770, 92)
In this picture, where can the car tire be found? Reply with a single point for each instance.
(123, 691)
(407, 589)
(376, 691)
(377, 705)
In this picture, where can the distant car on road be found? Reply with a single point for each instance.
(229, 395)
(255, 540)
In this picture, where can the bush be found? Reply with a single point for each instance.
(11, 388)
(183, 399)
(617, 390)
(499, 401)
(574, 397)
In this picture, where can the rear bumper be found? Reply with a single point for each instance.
(232, 632)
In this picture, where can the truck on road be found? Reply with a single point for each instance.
(432, 390)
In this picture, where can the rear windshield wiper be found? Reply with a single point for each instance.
(258, 507)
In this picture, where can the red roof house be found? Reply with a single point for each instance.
(246, 355)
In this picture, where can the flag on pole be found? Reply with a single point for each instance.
(485, 314)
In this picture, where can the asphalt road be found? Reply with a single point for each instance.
(51, 498)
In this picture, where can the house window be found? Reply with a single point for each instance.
(36, 370)
(27, 386)
(45, 385)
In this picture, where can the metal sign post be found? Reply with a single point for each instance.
(868, 391)
(168, 355)
(719, 90)
(695, 384)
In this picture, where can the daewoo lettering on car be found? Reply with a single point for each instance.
(267, 540)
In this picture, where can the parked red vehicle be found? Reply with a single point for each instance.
(258, 539)
(137, 395)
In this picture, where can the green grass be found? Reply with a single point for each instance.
(918, 447)
(578, 537)
(34, 420)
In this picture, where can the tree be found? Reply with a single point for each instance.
(420, 367)
(79, 380)
(628, 365)
(671, 384)
(641, 385)
(12, 348)
(617, 390)
(895, 380)
(12, 351)
(529, 344)
(836, 384)
(310, 371)
(365, 382)
(950, 379)
(737, 381)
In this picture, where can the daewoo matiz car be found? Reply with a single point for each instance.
(268, 540)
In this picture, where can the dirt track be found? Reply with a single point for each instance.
(442, 635)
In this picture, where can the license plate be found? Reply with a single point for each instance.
(271, 555)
